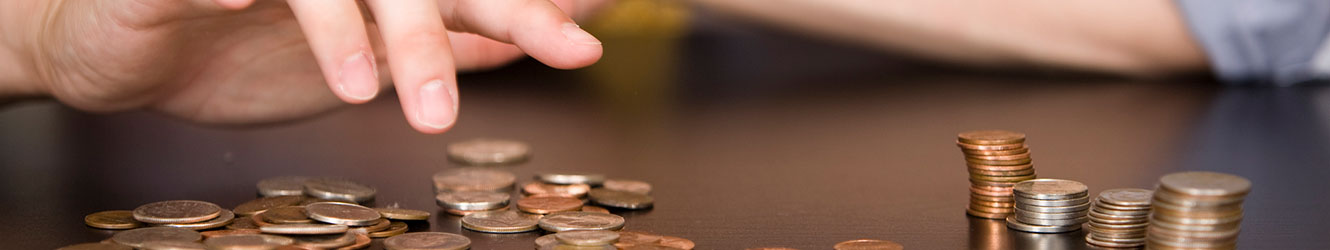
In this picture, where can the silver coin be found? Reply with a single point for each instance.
(1127, 197)
(283, 186)
(1140, 226)
(1052, 222)
(103, 246)
(247, 242)
(587, 237)
(136, 237)
(173, 245)
(427, 241)
(546, 241)
(1115, 212)
(1050, 216)
(1107, 206)
(1096, 213)
(505, 221)
(177, 211)
(1201, 183)
(578, 220)
(1019, 226)
(488, 152)
(1110, 244)
(324, 241)
(1056, 203)
(1062, 209)
(224, 218)
(568, 178)
(620, 199)
(303, 229)
(1171, 197)
(472, 200)
(339, 190)
(625, 185)
(1108, 221)
(1050, 189)
(342, 214)
(473, 179)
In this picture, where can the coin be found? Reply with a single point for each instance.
(362, 242)
(324, 241)
(488, 152)
(173, 245)
(339, 190)
(1000, 168)
(1126, 196)
(1093, 241)
(546, 241)
(676, 242)
(587, 237)
(402, 213)
(1061, 209)
(568, 178)
(1051, 221)
(247, 241)
(548, 204)
(989, 137)
(1029, 171)
(215, 233)
(546, 189)
(506, 221)
(96, 246)
(1021, 226)
(994, 147)
(472, 200)
(866, 244)
(590, 208)
(620, 199)
(996, 152)
(303, 229)
(986, 215)
(473, 179)
(1003, 178)
(284, 215)
(1016, 162)
(648, 247)
(578, 220)
(394, 229)
(136, 237)
(1084, 200)
(381, 225)
(242, 223)
(427, 241)
(222, 220)
(263, 204)
(1050, 189)
(342, 213)
(1013, 157)
(1200, 183)
(630, 237)
(114, 219)
(634, 186)
(177, 211)
(466, 212)
(283, 186)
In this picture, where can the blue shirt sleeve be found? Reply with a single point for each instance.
(1262, 41)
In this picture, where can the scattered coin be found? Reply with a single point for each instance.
(506, 221)
(473, 179)
(284, 215)
(303, 229)
(488, 152)
(177, 211)
(136, 237)
(587, 237)
(362, 242)
(546, 189)
(247, 241)
(381, 225)
(427, 241)
(578, 220)
(548, 204)
(173, 245)
(114, 219)
(342, 214)
(339, 190)
(472, 200)
(865, 244)
(402, 213)
(394, 229)
(215, 233)
(568, 178)
(283, 186)
(625, 185)
(221, 220)
(620, 199)
(324, 241)
(242, 223)
(263, 204)
(96, 246)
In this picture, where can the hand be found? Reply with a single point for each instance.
(246, 61)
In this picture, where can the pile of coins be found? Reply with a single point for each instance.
(1119, 218)
(1049, 206)
(997, 160)
(1197, 210)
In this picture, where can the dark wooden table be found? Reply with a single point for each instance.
(751, 139)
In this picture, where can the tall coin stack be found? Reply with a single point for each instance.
(997, 160)
(1049, 206)
(1197, 210)
(1119, 218)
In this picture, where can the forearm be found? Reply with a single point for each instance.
(1140, 38)
(19, 20)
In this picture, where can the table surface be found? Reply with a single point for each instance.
(750, 139)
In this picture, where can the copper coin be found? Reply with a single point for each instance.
(989, 137)
(114, 219)
(992, 203)
(999, 168)
(1016, 162)
(631, 237)
(676, 242)
(590, 208)
(992, 198)
(987, 215)
(998, 147)
(996, 152)
(1028, 171)
(991, 209)
(402, 213)
(380, 226)
(362, 242)
(1017, 178)
(620, 199)
(285, 215)
(987, 192)
(626, 185)
(396, 228)
(483, 151)
(984, 183)
(540, 188)
(868, 245)
(548, 204)
(215, 233)
(1014, 157)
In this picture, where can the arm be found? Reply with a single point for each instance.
(1136, 38)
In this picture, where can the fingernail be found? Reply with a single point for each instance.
(359, 79)
(438, 105)
(575, 34)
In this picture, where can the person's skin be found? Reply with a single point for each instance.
(247, 61)
(1132, 38)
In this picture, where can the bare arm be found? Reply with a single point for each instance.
(1135, 38)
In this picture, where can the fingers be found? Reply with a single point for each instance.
(473, 52)
(538, 27)
(336, 33)
(422, 62)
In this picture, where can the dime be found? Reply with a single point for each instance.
(177, 211)
(394, 229)
(96, 246)
(567, 178)
(304, 229)
(343, 214)
(362, 242)
(472, 200)
(634, 186)
(676, 242)
(578, 220)
(548, 204)
(1020, 226)
(989, 137)
(339, 190)
(587, 237)
(1052, 222)
(173, 245)
(402, 213)
(284, 215)
(263, 204)
(620, 199)
(215, 233)
(488, 152)
(499, 222)
(866, 244)
(1083, 207)
(325, 241)
(222, 220)
(283, 186)
(1126, 197)
(590, 208)
(247, 241)
(114, 219)
(1050, 189)
(546, 189)
(427, 241)
(136, 237)
(473, 179)
(1202, 183)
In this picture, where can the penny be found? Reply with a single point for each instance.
(427, 241)
(1018, 178)
(568, 178)
(506, 221)
(247, 241)
(1108, 244)
(473, 179)
(634, 186)
(394, 229)
(676, 242)
(303, 229)
(339, 190)
(173, 245)
(977, 197)
(324, 241)
(136, 237)
(312, 200)
(630, 237)
(998, 210)
(1017, 162)
(402, 213)
(868, 245)
(472, 200)
(285, 215)
(1050, 189)
(548, 204)
(996, 152)
(362, 242)
(242, 223)
(989, 137)
(283, 186)
(1126, 196)
(263, 204)
(1003, 204)
(1025, 155)
(381, 225)
(546, 189)
(590, 208)
(342, 214)
(488, 152)
(177, 211)
(215, 233)
(620, 199)
(965, 146)
(1029, 171)
(1200, 183)
(222, 220)
(114, 219)
(987, 215)
(578, 220)
(1000, 168)
(587, 237)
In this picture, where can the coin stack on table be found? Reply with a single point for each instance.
(1119, 217)
(1049, 206)
(997, 160)
(1197, 210)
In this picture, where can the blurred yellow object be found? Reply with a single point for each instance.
(633, 79)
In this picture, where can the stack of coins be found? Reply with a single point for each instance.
(1197, 210)
(1119, 218)
(997, 160)
(1049, 206)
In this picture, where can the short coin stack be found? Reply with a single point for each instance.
(1049, 206)
(1197, 210)
(997, 160)
(1119, 218)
